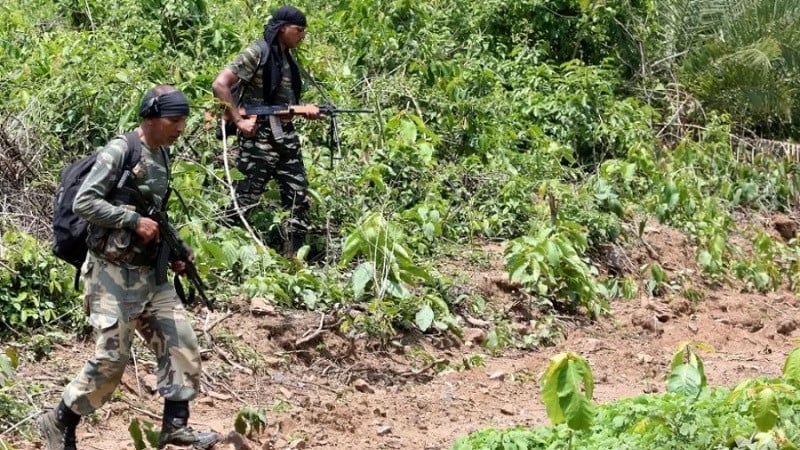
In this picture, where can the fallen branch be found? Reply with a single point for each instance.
(310, 335)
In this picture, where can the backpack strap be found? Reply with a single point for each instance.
(132, 156)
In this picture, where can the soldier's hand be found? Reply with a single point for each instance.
(247, 125)
(147, 229)
(312, 112)
(179, 265)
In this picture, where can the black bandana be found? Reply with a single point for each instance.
(171, 104)
(284, 15)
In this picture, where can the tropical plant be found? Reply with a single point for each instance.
(739, 57)
(758, 414)
(550, 263)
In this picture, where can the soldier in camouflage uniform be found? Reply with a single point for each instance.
(271, 150)
(123, 291)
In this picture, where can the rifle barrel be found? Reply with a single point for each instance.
(345, 110)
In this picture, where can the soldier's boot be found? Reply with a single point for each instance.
(174, 428)
(57, 428)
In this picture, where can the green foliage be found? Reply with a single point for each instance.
(550, 263)
(483, 113)
(565, 29)
(744, 61)
(791, 368)
(658, 282)
(250, 421)
(567, 387)
(764, 397)
(761, 272)
(384, 276)
(687, 373)
(33, 285)
(757, 414)
(14, 400)
(143, 434)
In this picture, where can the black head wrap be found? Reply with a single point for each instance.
(284, 14)
(171, 104)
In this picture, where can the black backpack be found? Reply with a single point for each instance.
(69, 230)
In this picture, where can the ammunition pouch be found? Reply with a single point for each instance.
(123, 246)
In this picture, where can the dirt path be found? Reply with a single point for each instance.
(336, 393)
(371, 400)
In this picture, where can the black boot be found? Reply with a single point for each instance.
(174, 428)
(57, 427)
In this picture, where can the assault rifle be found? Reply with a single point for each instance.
(286, 110)
(272, 114)
(177, 251)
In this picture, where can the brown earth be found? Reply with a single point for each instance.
(324, 389)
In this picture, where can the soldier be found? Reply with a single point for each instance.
(266, 73)
(125, 291)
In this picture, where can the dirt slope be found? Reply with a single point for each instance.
(331, 391)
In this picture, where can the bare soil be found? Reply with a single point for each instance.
(324, 389)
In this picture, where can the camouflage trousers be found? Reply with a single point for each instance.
(121, 300)
(263, 158)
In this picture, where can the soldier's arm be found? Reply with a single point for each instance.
(91, 200)
(222, 90)
(243, 67)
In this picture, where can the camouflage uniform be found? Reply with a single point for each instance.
(267, 155)
(121, 295)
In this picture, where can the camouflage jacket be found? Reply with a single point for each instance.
(111, 224)
(285, 84)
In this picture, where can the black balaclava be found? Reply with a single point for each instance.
(284, 15)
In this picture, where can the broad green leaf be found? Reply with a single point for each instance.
(240, 424)
(13, 356)
(791, 368)
(408, 132)
(397, 290)
(6, 369)
(424, 318)
(685, 380)
(697, 362)
(350, 248)
(518, 273)
(578, 410)
(680, 356)
(361, 277)
(563, 397)
(428, 231)
(765, 409)
(553, 253)
(704, 258)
